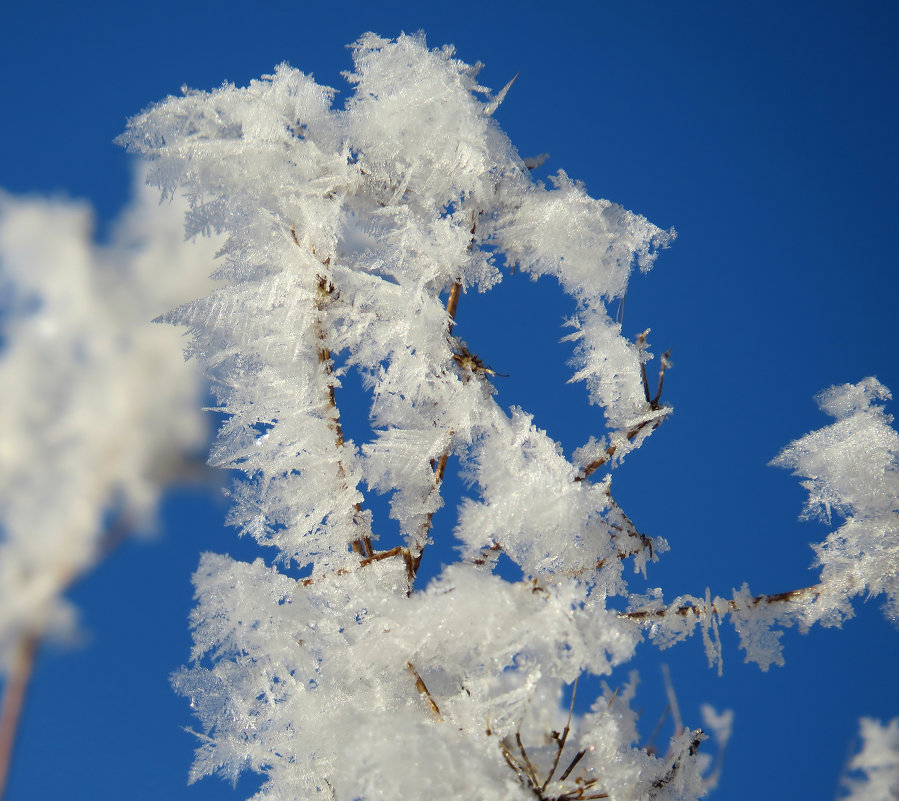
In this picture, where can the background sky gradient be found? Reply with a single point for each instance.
(765, 133)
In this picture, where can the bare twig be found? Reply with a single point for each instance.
(14, 693)
(626, 526)
(560, 741)
(577, 758)
(528, 775)
(423, 690)
(666, 363)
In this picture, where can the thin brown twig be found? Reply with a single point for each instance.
(529, 766)
(695, 742)
(424, 691)
(666, 362)
(572, 764)
(654, 405)
(626, 526)
(19, 677)
(325, 293)
(14, 692)
(438, 465)
(591, 468)
(452, 303)
(698, 610)
(363, 545)
(490, 552)
(561, 740)
(377, 556)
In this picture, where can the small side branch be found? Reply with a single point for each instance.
(654, 402)
(666, 361)
(690, 751)
(561, 739)
(516, 757)
(623, 525)
(377, 556)
(699, 610)
(424, 692)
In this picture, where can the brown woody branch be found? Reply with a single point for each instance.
(662, 781)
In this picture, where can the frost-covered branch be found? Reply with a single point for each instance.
(325, 668)
(850, 467)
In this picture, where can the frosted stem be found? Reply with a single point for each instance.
(452, 303)
(13, 701)
(591, 468)
(439, 466)
(698, 610)
(424, 691)
(326, 290)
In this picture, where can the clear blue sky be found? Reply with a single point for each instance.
(765, 133)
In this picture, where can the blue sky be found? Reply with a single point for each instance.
(764, 133)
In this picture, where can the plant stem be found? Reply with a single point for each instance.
(13, 701)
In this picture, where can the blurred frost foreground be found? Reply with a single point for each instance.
(97, 408)
(877, 763)
(351, 235)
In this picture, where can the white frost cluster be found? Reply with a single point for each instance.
(97, 406)
(851, 468)
(352, 232)
(877, 762)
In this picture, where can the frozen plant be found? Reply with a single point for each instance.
(98, 410)
(352, 234)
